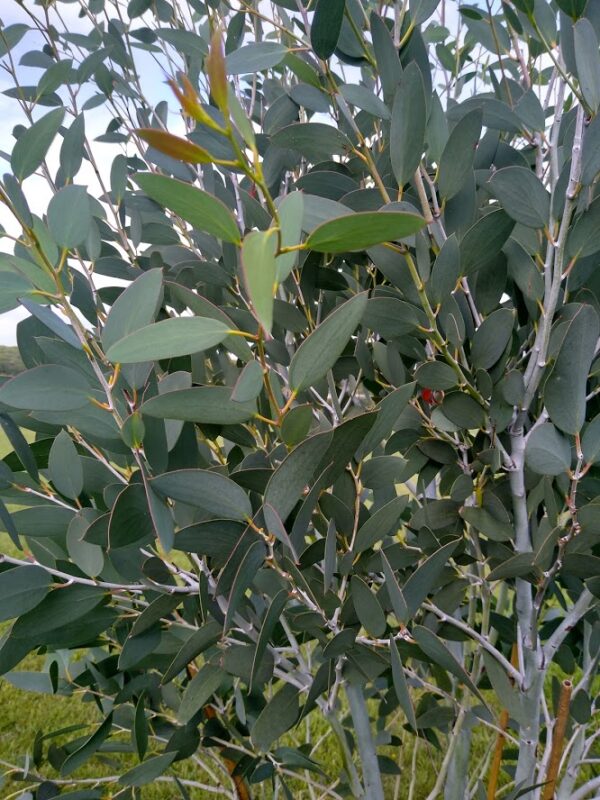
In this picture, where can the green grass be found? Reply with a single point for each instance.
(10, 361)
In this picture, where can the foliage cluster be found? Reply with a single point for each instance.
(313, 375)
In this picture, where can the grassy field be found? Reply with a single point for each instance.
(10, 361)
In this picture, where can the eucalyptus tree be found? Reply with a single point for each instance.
(302, 484)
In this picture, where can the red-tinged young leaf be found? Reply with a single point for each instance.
(174, 146)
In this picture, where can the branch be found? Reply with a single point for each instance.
(482, 641)
(585, 602)
(117, 587)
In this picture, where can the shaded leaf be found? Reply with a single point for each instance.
(326, 26)
(203, 211)
(321, 349)
(215, 493)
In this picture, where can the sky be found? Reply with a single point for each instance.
(36, 188)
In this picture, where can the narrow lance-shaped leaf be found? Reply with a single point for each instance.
(362, 230)
(326, 26)
(268, 626)
(180, 336)
(87, 749)
(174, 146)
(401, 686)
(587, 59)
(437, 651)
(407, 134)
(246, 572)
(260, 273)
(203, 211)
(33, 144)
(565, 388)
(277, 717)
(318, 353)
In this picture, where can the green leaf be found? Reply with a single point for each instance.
(148, 771)
(22, 589)
(204, 308)
(296, 424)
(139, 731)
(394, 591)
(199, 691)
(134, 308)
(506, 694)
(198, 642)
(548, 452)
(276, 718)
(565, 388)
(321, 349)
(381, 524)
(246, 572)
(260, 273)
(32, 146)
(11, 36)
(43, 520)
(409, 116)
(211, 405)
(424, 579)
(400, 685)
(70, 216)
(484, 240)
(159, 608)
(437, 651)
(203, 211)
(463, 410)
(50, 387)
(215, 493)
(63, 606)
(287, 483)
(491, 338)
(179, 336)
(72, 148)
(587, 59)
(130, 521)
(291, 215)
(590, 441)
(495, 529)
(584, 236)
(314, 140)
(436, 375)
(388, 411)
(457, 159)
(12, 288)
(270, 620)
(78, 758)
(367, 607)
(362, 230)
(20, 445)
(363, 98)
(65, 466)
(250, 383)
(445, 272)
(326, 26)
(255, 57)
(522, 195)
